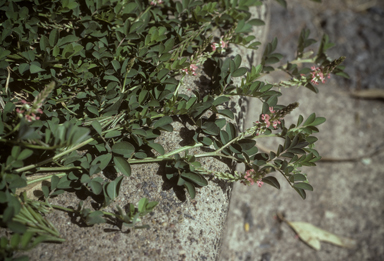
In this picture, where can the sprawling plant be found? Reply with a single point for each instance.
(92, 84)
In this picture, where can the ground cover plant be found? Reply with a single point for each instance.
(90, 85)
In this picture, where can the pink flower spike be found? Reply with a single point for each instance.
(214, 46)
(275, 123)
(265, 117)
(223, 44)
(193, 67)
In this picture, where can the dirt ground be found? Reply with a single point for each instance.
(348, 195)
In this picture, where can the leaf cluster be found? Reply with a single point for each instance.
(106, 74)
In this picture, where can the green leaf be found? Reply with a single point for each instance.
(3, 242)
(297, 177)
(239, 72)
(23, 67)
(272, 60)
(112, 134)
(220, 100)
(196, 178)
(33, 68)
(95, 217)
(17, 182)
(180, 181)
(123, 148)
(53, 37)
(157, 147)
(64, 183)
(26, 153)
(128, 8)
(15, 239)
(16, 227)
(272, 181)
(191, 189)
(303, 185)
(256, 22)
(300, 120)
(4, 53)
(80, 135)
(25, 239)
(96, 125)
(93, 109)
(45, 190)
(317, 121)
(301, 192)
(310, 119)
(162, 122)
(113, 188)
(246, 144)
(122, 165)
(15, 151)
(231, 130)
(96, 187)
(54, 181)
(67, 39)
(210, 128)
(142, 205)
(226, 112)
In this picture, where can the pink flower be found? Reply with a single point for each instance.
(191, 70)
(271, 110)
(214, 46)
(248, 177)
(153, 3)
(275, 123)
(259, 183)
(265, 118)
(317, 75)
(223, 44)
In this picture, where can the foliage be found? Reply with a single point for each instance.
(87, 85)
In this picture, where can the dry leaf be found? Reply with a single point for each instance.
(369, 94)
(313, 235)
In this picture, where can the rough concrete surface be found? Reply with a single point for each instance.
(348, 195)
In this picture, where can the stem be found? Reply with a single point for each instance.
(165, 156)
(46, 169)
(60, 154)
(49, 176)
(214, 154)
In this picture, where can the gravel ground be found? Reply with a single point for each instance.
(348, 196)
